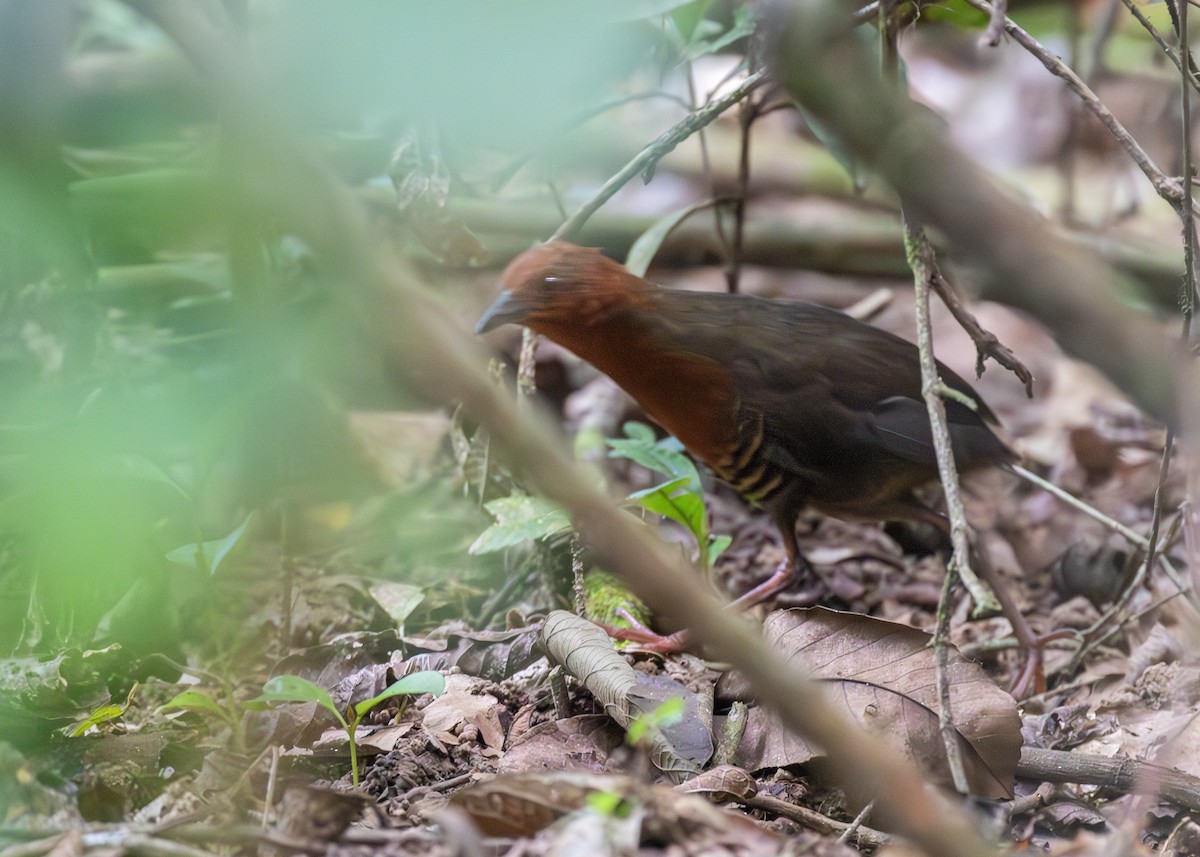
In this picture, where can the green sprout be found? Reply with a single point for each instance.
(681, 497)
(293, 688)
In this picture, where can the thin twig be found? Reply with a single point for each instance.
(920, 252)
(1158, 38)
(656, 151)
(922, 260)
(1066, 158)
(1087, 509)
(1106, 28)
(814, 820)
(1093, 640)
(747, 112)
(578, 589)
(272, 784)
(527, 365)
(856, 825)
(995, 28)
(986, 343)
(866, 13)
(1130, 776)
(706, 164)
(941, 651)
(1186, 212)
(1187, 301)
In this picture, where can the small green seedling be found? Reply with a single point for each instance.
(649, 724)
(520, 518)
(103, 714)
(609, 804)
(293, 688)
(207, 556)
(681, 497)
(203, 702)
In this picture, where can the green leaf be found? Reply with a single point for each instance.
(716, 547)
(194, 700)
(688, 17)
(103, 714)
(637, 10)
(426, 681)
(834, 145)
(744, 22)
(665, 456)
(212, 553)
(293, 688)
(664, 715)
(673, 500)
(638, 431)
(647, 245)
(668, 487)
(399, 600)
(140, 467)
(607, 804)
(520, 518)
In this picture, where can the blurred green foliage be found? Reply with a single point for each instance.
(170, 361)
(175, 365)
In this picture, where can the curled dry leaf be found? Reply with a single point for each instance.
(587, 653)
(884, 675)
(422, 181)
(523, 804)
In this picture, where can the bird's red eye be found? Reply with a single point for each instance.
(549, 283)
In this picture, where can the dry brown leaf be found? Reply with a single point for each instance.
(521, 805)
(884, 675)
(447, 715)
(722, 784)
(583, 743)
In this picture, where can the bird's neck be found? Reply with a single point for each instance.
(689, 395)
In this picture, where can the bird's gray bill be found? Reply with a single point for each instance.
(506, 309)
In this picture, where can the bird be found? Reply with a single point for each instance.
(792, 404)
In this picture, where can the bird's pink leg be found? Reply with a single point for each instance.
(646, 640)
(793, 565)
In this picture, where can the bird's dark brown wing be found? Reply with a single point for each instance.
(827, 386)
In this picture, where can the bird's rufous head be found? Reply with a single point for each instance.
(558, 284)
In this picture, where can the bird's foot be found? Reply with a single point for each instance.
(783, 575)
(643, 639)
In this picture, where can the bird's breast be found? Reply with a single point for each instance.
(690, 395)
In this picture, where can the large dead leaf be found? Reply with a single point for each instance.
(884, 676)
